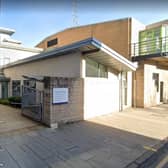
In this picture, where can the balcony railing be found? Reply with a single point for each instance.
(150, 47)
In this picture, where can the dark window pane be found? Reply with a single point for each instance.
(102, 71)
(155, 77)
(30, 83)
(16, 88)
(92, 68)
(52, 42)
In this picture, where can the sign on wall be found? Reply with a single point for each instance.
(60, 95)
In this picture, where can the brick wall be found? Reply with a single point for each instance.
(138, 83)
(116, 34)
(62, 113)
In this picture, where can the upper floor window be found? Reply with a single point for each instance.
(52, 42)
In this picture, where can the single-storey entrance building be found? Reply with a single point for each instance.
(79, 81)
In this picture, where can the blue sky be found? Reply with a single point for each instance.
(34, 20)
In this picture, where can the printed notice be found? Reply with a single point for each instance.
(60, 95)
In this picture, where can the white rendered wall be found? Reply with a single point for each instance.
(152, 96)
(0, 90)
(13, 55)
(101, 96)
(136, 26)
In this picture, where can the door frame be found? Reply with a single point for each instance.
(161, 90)
(123, 91)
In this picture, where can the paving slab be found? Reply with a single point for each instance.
(95, 143)
(148, 122)
(11, 120)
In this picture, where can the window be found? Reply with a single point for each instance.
(156, 80)
(102, 71)
(52, 42)
(92, 68)
(30, 83)
(95, 69)
(16, 88)
(150, 41)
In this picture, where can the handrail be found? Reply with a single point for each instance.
(153, 46)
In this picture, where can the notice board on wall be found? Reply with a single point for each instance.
(60, 95)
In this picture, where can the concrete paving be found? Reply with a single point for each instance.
(96, 143)
(150, 122)
(79, 145)
(11, 120)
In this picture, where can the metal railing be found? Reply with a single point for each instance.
(32, 103)
(149, 47)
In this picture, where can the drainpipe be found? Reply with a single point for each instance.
(134, 87)
(120, 93)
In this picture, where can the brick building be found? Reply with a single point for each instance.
(92, 67)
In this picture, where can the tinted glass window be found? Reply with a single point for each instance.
(95, 69)
(52, 42)
(16, 88)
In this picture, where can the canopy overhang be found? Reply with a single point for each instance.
(110, 58)
(35, 78)
(91, 48)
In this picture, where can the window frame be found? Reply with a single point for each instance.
(14, 91)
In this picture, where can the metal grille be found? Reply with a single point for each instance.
(154, 46)
(32, 103)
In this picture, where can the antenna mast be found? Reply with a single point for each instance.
(0, 7)
(74, 13)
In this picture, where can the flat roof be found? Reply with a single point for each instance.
(91, 48)
(7, 30)
(157, 24)
(20, 47)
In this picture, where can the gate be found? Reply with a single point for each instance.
(32, 103)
